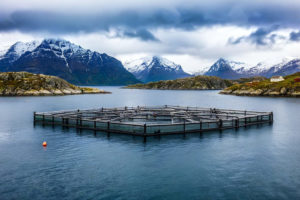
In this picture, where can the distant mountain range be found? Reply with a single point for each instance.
(85, 67)
(235, 70)
(155, 68)
(66, 60)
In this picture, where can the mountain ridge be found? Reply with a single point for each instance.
(233, 70)
(155, 68)
(223, 69)
(69, 61)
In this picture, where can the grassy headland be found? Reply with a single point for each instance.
(193, 83)
(288, 87)
(28, 84)
(190, 83)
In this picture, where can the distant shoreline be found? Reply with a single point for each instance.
(189, 83)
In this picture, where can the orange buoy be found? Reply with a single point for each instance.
(44, 144)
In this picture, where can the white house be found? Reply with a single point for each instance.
(276, 78)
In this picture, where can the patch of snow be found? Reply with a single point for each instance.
(221, 63)
(138, 65)
(64, 45)
(280, 65)
(234, 64)
(238, 65)
(167, 63)
(147, 63)
(201, 71)
(64, 49)
(3, 50)
(256, 70)
(19, 48)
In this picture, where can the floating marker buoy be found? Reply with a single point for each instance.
(44, 144)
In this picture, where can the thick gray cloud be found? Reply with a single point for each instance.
(295, 36)
(143, 34)
(260, 37)
(139, 21)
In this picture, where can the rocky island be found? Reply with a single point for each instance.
(190, 83)
(200, 82)
(28, 84)
(288, 86)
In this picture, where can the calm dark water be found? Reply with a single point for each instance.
(254, 163)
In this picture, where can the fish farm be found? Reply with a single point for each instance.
(153, 121)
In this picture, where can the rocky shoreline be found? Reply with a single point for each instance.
(190, 83)
(259, 92)
(289, 86)
(28, 84)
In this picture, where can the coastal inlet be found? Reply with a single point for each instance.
(153, 121)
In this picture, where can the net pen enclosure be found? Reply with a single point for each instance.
(153, 120)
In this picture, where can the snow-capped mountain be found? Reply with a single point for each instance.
(254, 71)
(202, 71)
(15, 51)
(238, 66)
(290, 67)
(155, 68)
(235, 70)
(19, 48)
(285, 67)
(225, 69)
(66, 60)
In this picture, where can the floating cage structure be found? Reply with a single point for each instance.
(153, 121)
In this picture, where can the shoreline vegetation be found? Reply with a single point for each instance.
(28, 84)
(200, 82)
(190, 83)
(254, 86)
(289, 87)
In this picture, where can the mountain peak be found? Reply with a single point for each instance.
(225, 69)
(220, 64)
(19, 48)
(233, 70)
(67, 60)
(63, 45)
(56, 40)
(149, 62)
(222, 60)
(156, 57)
(155, 68)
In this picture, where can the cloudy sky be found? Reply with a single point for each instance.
(192, 33)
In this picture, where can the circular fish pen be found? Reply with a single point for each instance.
(150, 121)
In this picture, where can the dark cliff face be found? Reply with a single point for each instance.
(72, 63)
